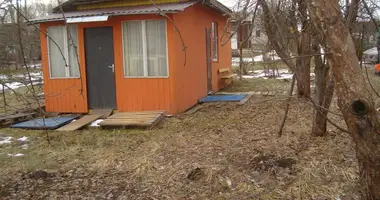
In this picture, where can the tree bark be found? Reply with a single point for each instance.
(303, 65)
(304, 49)
(354, 95)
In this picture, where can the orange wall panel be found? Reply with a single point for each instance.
(142, 94)
(191, 79)
(62, 95)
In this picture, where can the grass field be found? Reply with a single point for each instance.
(223, 151)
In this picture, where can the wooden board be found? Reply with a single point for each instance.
(224, 70)
(247, 98)
(75, 125)
(15, 116)
(134, 119)
(194, 109)
(104, 112)
(6, 120)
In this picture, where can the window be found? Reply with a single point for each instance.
(258, 33)
(145, 51)
(214, 32)
(62, 44)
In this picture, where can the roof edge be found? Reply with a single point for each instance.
(215, 4)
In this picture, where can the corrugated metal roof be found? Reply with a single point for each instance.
(133, 10)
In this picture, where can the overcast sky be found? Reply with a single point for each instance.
(228, 3)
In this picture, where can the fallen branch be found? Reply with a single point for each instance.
(287, 105)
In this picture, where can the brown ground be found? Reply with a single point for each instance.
(223, 151)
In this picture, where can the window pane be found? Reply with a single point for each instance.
(156, 48)
(57, 51)
(133, 49)
(214, 31)
(72, 39)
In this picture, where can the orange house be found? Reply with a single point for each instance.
(132, 55)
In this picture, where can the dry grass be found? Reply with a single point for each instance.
(19, 99)
(258, 84)
(223, 151)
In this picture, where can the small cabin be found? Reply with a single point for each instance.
(132, 55)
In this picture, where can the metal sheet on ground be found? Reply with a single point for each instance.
(47, 123)
(222, 98)
(76, 125)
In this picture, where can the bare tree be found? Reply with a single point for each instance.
(354, 94)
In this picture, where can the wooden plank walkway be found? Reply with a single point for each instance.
(10, 119)
(246, 98)
(104, 112)
(75, 125)
(146, 119)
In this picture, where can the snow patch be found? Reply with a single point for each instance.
(23, 139)
(96, 123)
(16, 155)
(260, 58)
(5, 140)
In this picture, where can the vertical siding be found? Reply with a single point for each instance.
(141, 94)
(62, 95)
(191, 80)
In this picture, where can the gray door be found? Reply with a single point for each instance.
(208, 59)
(101, 89)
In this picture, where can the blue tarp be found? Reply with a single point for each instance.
(48, 123)
(222, 98)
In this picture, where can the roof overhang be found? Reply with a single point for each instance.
(117, 11)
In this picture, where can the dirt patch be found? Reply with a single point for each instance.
(267, 162)
(195, 174)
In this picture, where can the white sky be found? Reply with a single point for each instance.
(228, 3)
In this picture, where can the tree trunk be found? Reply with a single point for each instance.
(303, 65)
(304, 49)
(323, 91)
(240, 54)
(323, 97)
(354, 95)
(321, 70)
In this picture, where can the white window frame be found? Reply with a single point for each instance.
(145, 51)
(214, 38)
(65, 52)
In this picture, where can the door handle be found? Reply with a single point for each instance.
(112, 67)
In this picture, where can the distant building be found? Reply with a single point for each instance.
(257, 38)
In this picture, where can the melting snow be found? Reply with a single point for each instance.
(260, 58)
(5, 140)
(96, 123)
(16, 155)
(19, 80)
(279, 74)
(23, 139)
(24, 146)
